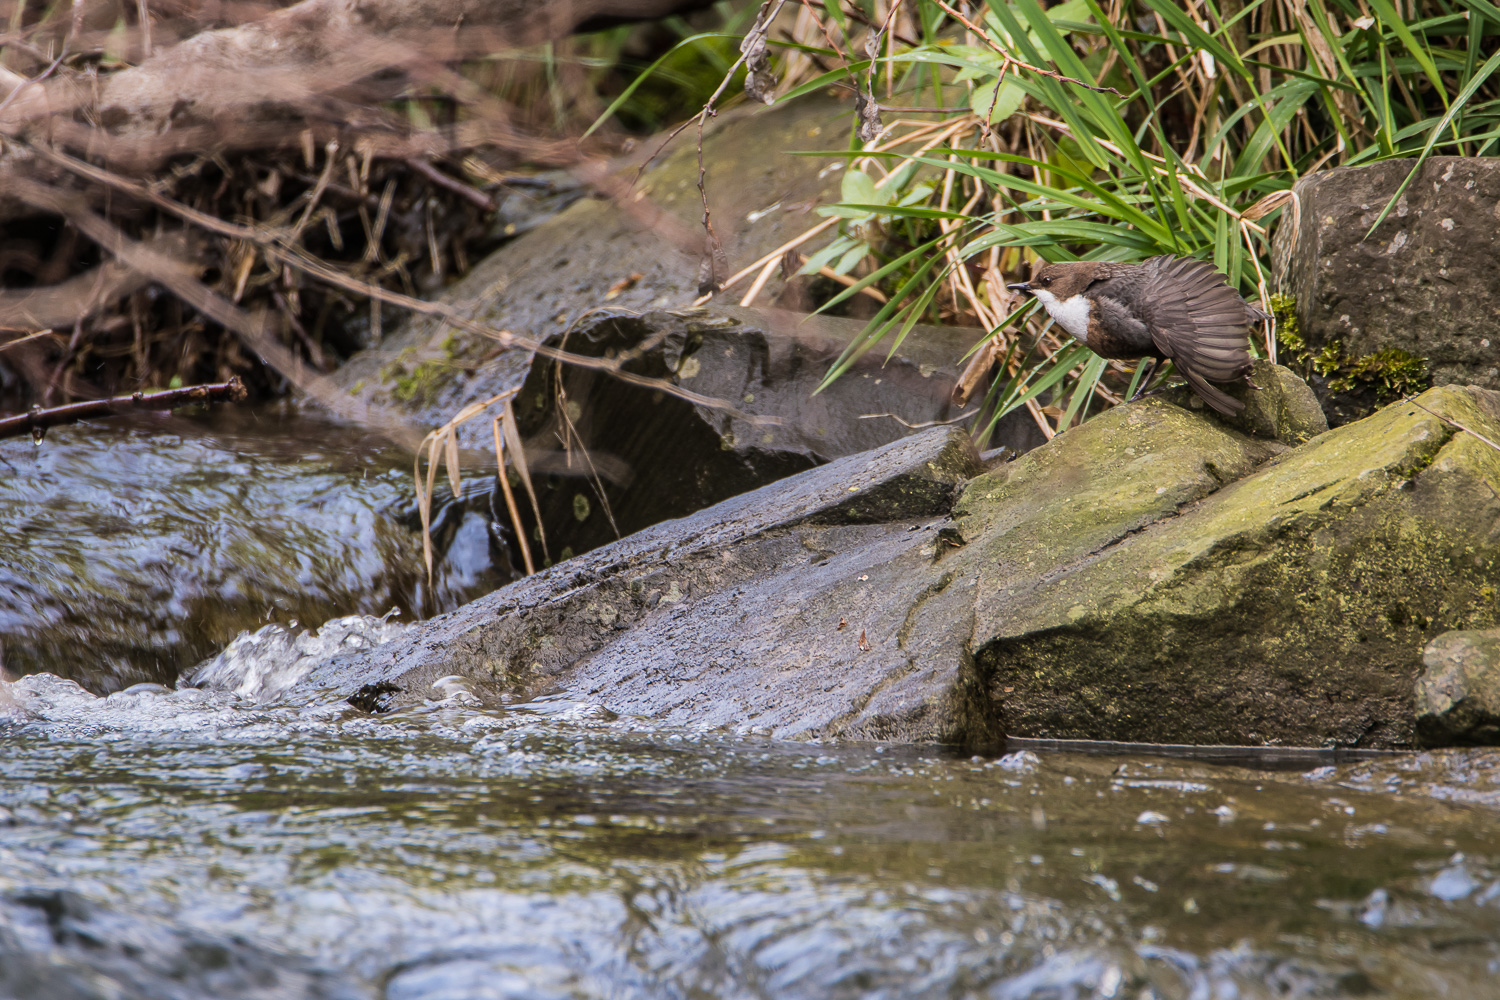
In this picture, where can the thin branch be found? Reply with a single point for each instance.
(441, 179)
(1010, 60)
(37, 421)
(1452, 423)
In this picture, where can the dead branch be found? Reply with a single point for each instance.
(180, 278)
(298, 59)
(37, 421)
(62, 305)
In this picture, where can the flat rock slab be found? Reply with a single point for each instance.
(781, 610)
(1152, 575)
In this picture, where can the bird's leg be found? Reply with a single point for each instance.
(1140, 387)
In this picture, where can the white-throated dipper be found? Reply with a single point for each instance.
(1174, 308)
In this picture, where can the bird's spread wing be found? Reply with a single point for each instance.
(1201, 323)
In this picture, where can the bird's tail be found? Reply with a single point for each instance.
(1217, 398)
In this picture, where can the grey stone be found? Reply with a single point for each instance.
(1151, 575)
(1279, 406)
(1426, 282)
(596, 253)
(1458, 695)
(781, 608)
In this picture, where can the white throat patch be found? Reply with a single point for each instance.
(1070, 314)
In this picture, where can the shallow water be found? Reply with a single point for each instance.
(152, 541)
(553, 850)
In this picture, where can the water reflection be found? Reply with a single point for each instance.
(543, 851)
(150, 542)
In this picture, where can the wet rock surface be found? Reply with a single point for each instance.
(1151, 575)
(1424, 285)
(596, 253)
(639, 455)
(759, 610)
(1458, 695)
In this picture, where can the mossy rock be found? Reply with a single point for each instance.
(1290, 607)
(1458, 695)
(1279, 406)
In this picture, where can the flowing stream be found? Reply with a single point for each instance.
(196, 843)
(243, 838)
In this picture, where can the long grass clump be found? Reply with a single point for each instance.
(1084, 131)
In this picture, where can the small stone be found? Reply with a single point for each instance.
(1458, 695)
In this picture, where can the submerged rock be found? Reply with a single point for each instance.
(1458, 695)
(1151, 575)
(1416, 300)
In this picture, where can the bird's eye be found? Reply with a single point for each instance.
(1046, 281)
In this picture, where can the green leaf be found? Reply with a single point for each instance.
(995, 109)
(819, 260)
(855, 254)
(858, 188)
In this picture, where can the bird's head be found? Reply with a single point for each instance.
(1058, 282)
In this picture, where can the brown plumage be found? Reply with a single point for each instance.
(1174, 308)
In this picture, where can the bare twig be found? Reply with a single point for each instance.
(924, 424)
(441, 179)
(30, 336)
(37, 421)
(1453, 423)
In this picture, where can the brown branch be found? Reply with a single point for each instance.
(441, 179)
(62, 305)
(296, 60)
(180, 278)
(36, 421)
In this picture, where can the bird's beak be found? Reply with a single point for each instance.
(1024, 286)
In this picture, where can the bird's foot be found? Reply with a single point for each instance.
(1140, 389)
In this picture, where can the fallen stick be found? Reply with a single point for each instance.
(37, 420)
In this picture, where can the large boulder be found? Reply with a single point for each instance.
(599, 252)
(1290, 606)
(1375, 314)
(1151, 575)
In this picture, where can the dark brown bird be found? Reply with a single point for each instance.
(1173, 308)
